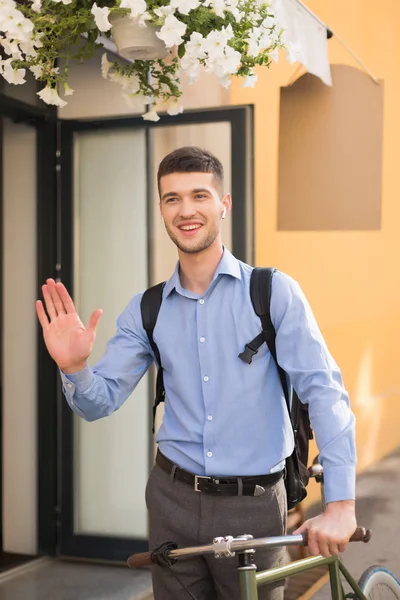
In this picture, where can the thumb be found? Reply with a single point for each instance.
(302, 528)
(94, 320)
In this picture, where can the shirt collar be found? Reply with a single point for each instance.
(228, 265)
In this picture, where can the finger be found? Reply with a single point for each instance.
(342, 547)
(324, 549)
(66, 299)
(49, 303)
(94, 319)
(301, 529)
(56, 297)
(41, 313)
(333, 549)
(313, 545)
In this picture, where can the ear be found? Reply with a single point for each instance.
(227, 205)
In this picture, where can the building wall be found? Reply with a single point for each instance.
(350, 277)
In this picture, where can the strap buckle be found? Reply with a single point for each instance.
(196, 482)
(248, 353)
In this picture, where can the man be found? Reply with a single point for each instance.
(223, 417)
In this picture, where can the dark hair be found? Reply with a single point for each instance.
(191, 159)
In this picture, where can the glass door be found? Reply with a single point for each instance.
(112, 248)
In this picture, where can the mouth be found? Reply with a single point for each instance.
(189, 229)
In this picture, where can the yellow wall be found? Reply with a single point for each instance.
(350, 278)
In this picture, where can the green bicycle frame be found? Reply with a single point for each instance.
(250, 580)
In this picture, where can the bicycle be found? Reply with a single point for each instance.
(375, 583)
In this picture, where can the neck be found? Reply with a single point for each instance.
(197, 270)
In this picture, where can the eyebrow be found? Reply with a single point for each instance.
(195, 191)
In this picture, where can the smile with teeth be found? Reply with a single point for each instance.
(189, 227)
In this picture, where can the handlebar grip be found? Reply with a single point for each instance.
(142, 559)
(360, 535)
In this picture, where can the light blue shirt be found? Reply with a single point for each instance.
(223, 416)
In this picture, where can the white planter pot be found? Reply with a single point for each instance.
(135, 42)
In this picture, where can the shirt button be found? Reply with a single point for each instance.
(202, 339)
(201, 301)
(209, 454)
(69, 385)
(209, 418)
(206, 378)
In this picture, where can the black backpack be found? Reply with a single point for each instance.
(296, 476)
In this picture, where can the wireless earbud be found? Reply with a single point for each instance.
(224, 213)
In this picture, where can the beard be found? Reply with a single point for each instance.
(197, 247)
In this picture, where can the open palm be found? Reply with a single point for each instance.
(68, 341)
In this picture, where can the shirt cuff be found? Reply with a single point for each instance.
(340, 483)
(78, 382)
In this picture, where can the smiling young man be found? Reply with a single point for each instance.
(223, 418)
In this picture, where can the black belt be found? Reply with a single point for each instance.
(219, 486)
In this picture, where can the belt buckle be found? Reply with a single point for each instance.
(196, 482)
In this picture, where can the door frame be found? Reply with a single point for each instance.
(242, 152)
(44, 119)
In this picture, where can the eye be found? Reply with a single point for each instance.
(169, 200)
(200, 196)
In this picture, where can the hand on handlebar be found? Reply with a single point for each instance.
(329, 533)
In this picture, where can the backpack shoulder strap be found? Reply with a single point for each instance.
(150, 307)
(260, 294)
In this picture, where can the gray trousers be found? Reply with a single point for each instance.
(179, 514)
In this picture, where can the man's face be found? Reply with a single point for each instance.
(192, 209)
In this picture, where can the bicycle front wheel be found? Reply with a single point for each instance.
(377, 583)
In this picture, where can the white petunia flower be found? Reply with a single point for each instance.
(194, 47)
(185, 6)
(174, 108)
(253, 42)
(50, 96)
(214, 44)
(164, 11)
(63, 1)
(101, 17)
(11, 48)
(172, 31)
(36, 5)
(129, 83)
(225, 81)
(14, 76)
(10, 20)
(191, 67)
(67, 90)
(137, 7)
(250, 81)
(227, 64)
(105, 65)
(28, 47)
(143, 18)
(37, 71)
(151, 115)
(219, 7)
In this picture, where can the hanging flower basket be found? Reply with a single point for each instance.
(135, 41)
(163, 40)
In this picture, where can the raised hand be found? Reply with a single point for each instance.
(68, 341)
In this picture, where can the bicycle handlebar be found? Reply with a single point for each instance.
(226, 547)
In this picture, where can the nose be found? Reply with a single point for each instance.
(187, 209)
